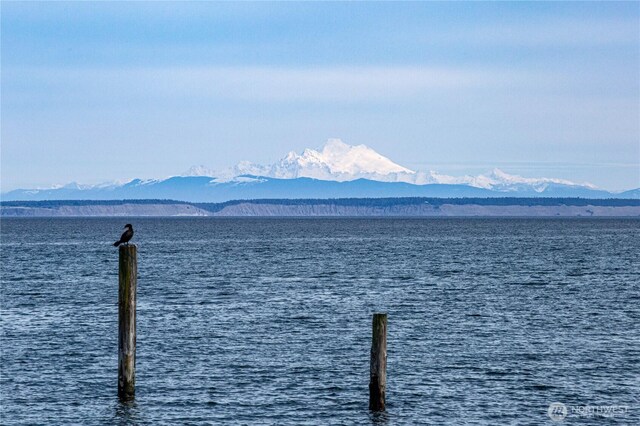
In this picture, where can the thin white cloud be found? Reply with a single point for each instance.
(321, 84)
(547, 33)
(267, 84)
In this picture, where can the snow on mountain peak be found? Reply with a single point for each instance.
(198, 171)
(359, 159)
(338, 161)
(500, 180)
(335, 147)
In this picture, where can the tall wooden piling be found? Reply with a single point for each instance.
(378, 366)
(128, 272)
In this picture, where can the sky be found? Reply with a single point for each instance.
(100, 91)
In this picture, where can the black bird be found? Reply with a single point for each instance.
(126, 235)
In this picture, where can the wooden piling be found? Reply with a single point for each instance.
(378, 366)
(128, 272)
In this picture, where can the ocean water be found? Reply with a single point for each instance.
(268, 321)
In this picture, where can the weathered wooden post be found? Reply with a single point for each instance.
(128, 272)
(378, 366)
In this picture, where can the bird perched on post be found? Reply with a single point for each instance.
(126, 235)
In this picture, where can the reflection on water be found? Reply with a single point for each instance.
(126, 413)
(379, 418)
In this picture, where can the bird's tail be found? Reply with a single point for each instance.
(116, 244)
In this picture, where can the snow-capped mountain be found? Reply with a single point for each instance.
(337, 170)
(498, 180)
(338, 161)
(335, 161)
(199, 171)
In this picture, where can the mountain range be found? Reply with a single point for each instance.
(337, 170)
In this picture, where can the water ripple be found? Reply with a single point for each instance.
(254, 321)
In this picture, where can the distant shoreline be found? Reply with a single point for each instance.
(341, 207)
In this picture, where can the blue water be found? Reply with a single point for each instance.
(268, 321)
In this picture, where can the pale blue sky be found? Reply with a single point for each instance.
(93, 92)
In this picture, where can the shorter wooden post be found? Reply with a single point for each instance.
(128, 271)
(378, 366)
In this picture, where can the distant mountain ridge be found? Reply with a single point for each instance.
(338, 170)
(338, 161)
(207, 189)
